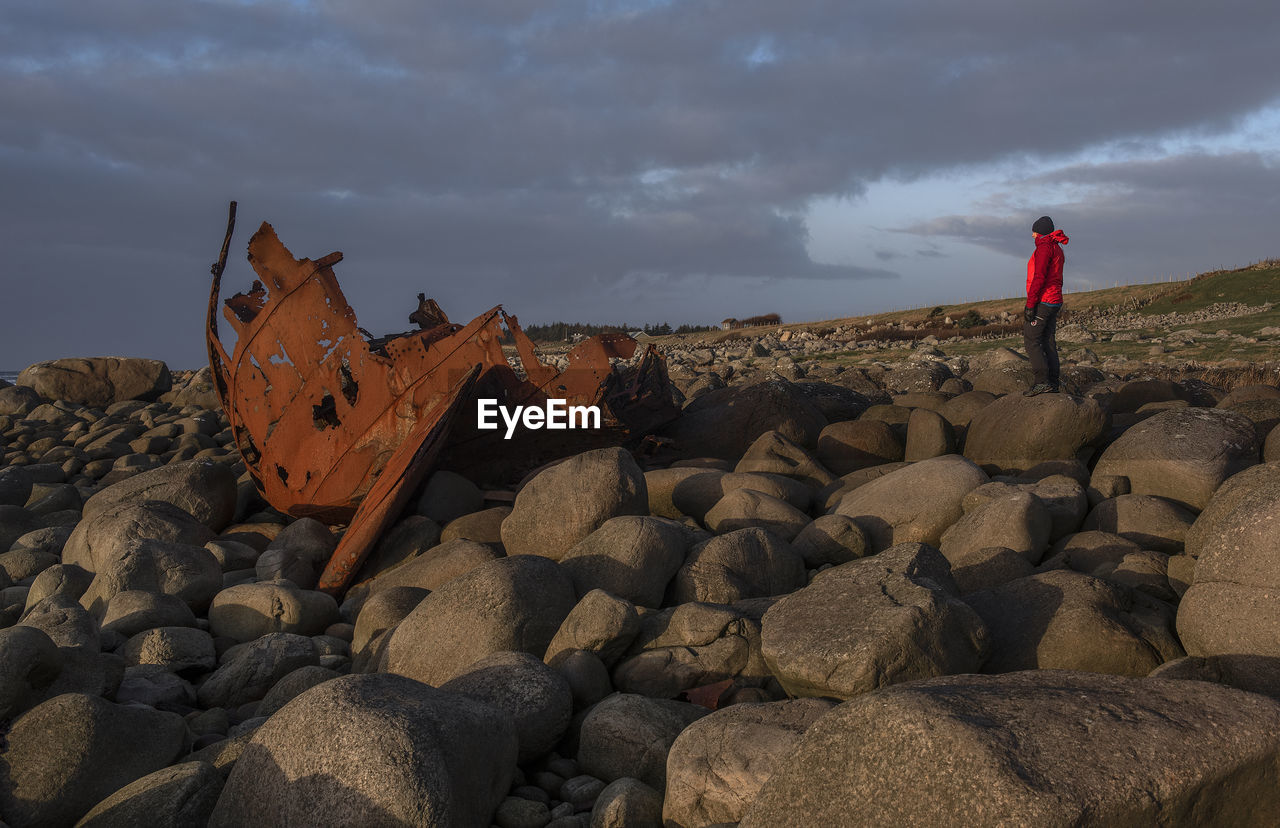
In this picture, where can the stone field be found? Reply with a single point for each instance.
(898, 593)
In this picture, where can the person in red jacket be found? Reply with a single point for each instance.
(1044, 302)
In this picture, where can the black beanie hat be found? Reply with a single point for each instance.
(1043, 226)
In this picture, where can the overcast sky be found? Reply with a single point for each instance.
(638, 161)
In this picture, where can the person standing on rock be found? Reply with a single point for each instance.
(1044, 302)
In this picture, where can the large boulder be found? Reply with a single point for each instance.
(63, 756)
(1182, 454)
(774, 453)
(1017, 521)
(1230, 611)
(567, 502)
(746, 509)
(372, 750)
(694, 645)
(1150, 521)
(536, 697)
(436, 566)
(202, 488)
(718, 764)
(1033, 748)
(106, 534)
(744, 563)
(246, 611)
(1066, 620)
(913, 504)
(631, 557)
(250, 670)
(173, 797)
(725, 422)
(19, 400)
(29, 663)
(889, 618)
(628, 735)
(190, 572)
(1015, 433)
(850, 445)
(508, 604)
(98, 381)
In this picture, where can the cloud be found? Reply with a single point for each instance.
(550, 155)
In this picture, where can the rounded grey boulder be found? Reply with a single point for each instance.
(567, 502)
(537, 698)
(507, 604)
(372, 749)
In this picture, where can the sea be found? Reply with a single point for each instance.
(9, 376)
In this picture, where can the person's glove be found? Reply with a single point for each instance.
(1029, 314)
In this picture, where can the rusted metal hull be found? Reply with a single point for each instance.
(342, 427)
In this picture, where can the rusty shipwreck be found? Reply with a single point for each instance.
(342, 426)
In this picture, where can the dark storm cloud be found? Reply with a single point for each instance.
(546, 155)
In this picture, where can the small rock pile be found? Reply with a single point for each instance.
(913, 595)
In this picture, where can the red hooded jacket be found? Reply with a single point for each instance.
(1044, 270)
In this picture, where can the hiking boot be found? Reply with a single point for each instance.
(1038, 388)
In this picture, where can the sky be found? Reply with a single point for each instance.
(632, 161)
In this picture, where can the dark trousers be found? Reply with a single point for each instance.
(1042, 343)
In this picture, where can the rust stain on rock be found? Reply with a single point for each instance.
(341, 426)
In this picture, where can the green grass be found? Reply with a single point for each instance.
(1252, 285)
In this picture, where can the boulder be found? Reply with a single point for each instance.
(1017, 521)
(189, 572)
(1008, 378)
(744, 563)
(1182, 454)
(1229, 613)
(292, 685)
(1035, 748)
(1065, 620)
(372, 749)
(106, 534)
(694, 645)
(132, 611)
(484, 526)
(746, 509)
(567, 502)
(850, 445)
(774, 453)
(928, 435)
(960, 409)
(248, 671)
(382, 612)
(725, 422)
(631, 557)
(881, 620)
(182, 650)
(448, 496)
(600, 623)
(913, 504)
(437, 565)
(19, 400)
(98, 381)
(627, 803)
(718, 764)
(661, 485)
(67, 754)
(1015, 433)
(1149, 521)
(174, 797)
(976, 569)
(536, 697)
(831, 539)
(202, 488)
(629, 736)
(508, 604)
(298, 553)
(247, 611)
(29, 663)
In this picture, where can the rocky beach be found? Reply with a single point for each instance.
(862, 580)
